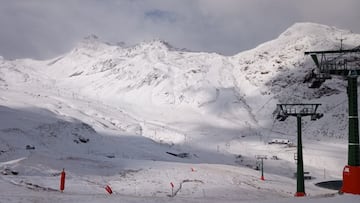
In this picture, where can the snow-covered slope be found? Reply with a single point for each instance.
(110, 114)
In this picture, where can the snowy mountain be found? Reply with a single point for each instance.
(112, 114)
(154, 75)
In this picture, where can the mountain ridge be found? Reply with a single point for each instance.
(155, 75)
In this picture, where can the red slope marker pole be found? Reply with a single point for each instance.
(62, 180)
(172, 189)
(108, 189)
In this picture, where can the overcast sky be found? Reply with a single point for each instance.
(46, 28)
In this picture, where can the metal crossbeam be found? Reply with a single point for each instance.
(337, 62)
(357, 49)
(298, 109)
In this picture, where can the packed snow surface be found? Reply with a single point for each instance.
(141, 119)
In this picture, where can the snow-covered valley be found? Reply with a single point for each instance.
(140, 118)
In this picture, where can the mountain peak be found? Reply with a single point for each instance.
(306, 29)
(156, 44)
(91, 43)
(91, 37)
(159, 44)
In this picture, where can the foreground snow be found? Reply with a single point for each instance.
(219, 167)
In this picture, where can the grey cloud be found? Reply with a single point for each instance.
(43, 29)
(157, 15)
